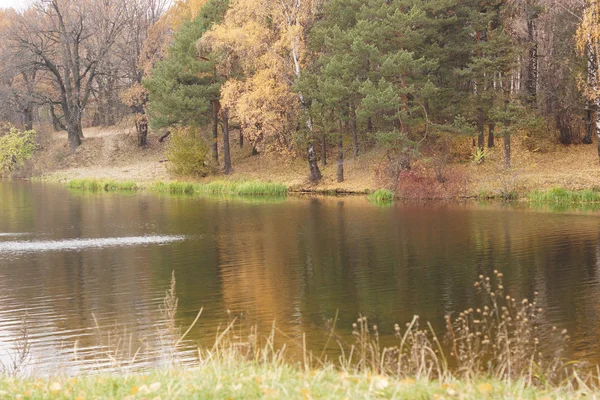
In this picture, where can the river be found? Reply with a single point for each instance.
(86, 273)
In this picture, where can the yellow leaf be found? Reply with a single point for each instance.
(485, 388)
(407, 381)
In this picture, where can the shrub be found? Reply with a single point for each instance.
(187, 154)
(16, 147)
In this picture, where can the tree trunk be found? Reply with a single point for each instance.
(592, 82)
(598, 124)
(315, 173)
(564, 126)
(507, 91)
(226, 153)
(323, 149)
(507, 148)
(74, 132)
(532, 69)
(340, 160)
(142, 130)
(480, 128)
(28, 118)
(241, 138)
(491, 128)
(215, 131)
(353, 132)
(589, 123)
(74, 136)
(56, 124)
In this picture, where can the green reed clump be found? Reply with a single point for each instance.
(564, 196)
(247, 188)
(221, 187)
(174, 187)
(96, 185)
(382, 196)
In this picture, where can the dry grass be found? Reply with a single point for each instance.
(573, 167)
(106, 153)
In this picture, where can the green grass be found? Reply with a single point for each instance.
(564, 196)
(96, 185)
(231, 378)
(235, 188)
(382, 196)
(230, 188)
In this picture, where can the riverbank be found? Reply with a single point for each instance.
(112, 154)
(229, 379)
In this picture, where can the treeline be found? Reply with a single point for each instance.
(308, 78)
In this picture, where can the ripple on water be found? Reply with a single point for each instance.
(78, 244)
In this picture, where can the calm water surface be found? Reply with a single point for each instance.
(88, 272)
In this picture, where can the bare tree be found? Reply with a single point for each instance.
(70, 39)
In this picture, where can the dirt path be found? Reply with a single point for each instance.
(110, 153)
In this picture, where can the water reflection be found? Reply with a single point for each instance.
(296, 262)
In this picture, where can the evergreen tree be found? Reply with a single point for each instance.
(184, 87)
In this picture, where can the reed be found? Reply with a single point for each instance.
(219, 187)
(96, 185)
(564, 196)
(382, 196)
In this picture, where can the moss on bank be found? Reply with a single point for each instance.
(249, 380)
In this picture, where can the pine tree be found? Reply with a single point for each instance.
(184, 87)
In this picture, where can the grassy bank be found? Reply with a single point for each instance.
(218, 187)
(235, 379)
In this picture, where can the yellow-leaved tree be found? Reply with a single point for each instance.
(262, 47)
(588, 43)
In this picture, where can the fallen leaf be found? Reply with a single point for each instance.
(485, 388)
(407, 381)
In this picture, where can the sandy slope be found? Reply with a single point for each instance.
(105, 153)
